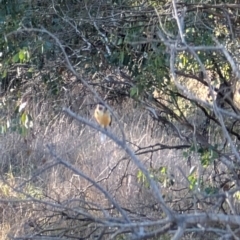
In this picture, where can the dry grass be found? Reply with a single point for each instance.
(27, 173)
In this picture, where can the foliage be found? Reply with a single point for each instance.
(160, 175)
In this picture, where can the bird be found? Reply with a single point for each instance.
(103, 117)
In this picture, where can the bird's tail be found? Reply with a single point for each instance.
(103, 137)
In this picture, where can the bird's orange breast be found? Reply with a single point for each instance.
(104, 119)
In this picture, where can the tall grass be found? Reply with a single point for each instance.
(41, 197)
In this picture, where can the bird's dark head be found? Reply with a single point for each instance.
(101, 107)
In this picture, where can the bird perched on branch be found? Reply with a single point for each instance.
(103, 117)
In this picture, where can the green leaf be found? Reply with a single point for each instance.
(48, 46)
(23, 130)
(120, 41)
(15, 58)
(23, 118)
(4, 74)
(3, 129)
(185, 154)
(163, 170)
(21, 55)
(139, 174)
(192, 182)
(211, 190)
(134, 91)
(121, 57)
